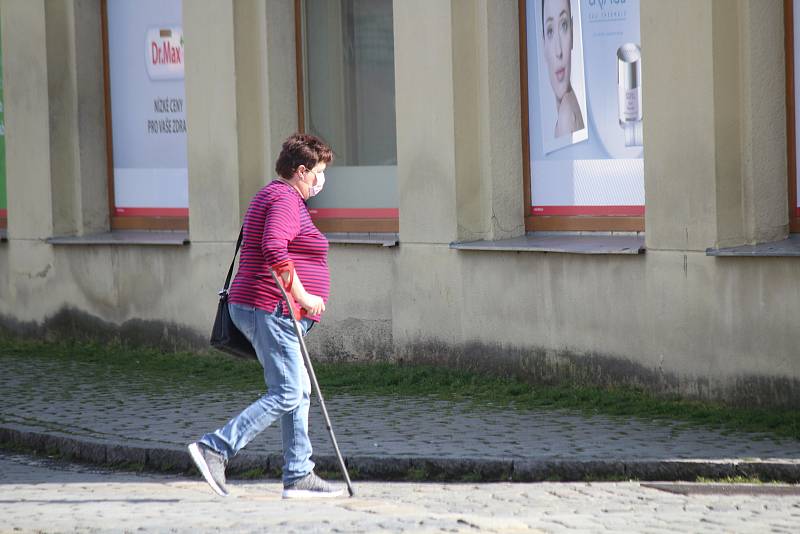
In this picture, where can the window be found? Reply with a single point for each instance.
(582, 110)
(146, 118)
(791, 21)
(346, 81)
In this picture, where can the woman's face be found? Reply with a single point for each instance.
(557, 18)
(310, 177)
(307, 178)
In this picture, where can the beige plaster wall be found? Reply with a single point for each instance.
(673, 313)
(266, 85)
(715, 154)
(77, 114)
(92, 156)
(424, 103)
(212, 136)
(281, 76)
(172, 290)
(764, 133)
(702, 326)
(673, 318)
(358, 318)
(502, 112)
(750, 118)
(27, 121)
(171, 287)
(486, 91)
(25, 83)
(252, 96)
(679, 131)
(62, 84)
(728, 125)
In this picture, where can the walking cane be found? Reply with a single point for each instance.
(310, 368)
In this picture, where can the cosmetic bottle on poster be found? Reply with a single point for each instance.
(629, 89)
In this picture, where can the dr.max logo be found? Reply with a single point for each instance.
(603, 3)
(164, 53)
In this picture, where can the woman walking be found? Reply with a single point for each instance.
(278, 234)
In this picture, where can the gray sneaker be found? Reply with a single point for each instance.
(311, 486)
(211, 465)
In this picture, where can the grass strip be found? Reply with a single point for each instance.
(212, 370)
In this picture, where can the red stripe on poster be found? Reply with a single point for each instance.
(605, 211)
(355, 213)
(151, 212)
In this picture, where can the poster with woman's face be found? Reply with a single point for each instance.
(562, 92)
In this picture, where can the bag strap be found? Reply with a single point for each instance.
(233, 262)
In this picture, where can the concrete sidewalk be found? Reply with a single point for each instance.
(88, 412)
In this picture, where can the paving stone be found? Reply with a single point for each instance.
(91, 451)
(392, 435)
(455, 468)
(68, 447)
(119, 454)
(168, 459)
(372, 467)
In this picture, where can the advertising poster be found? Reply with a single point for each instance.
(796, 22)
(585, 107)
(148, 112)
(562, 94)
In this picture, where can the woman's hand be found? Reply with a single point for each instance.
(313, 304)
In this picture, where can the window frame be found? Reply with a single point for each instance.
(117, 222)
(4, 210)
(555, 223)
(791, 108)
(334, 224)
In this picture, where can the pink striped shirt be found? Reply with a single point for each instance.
(278, 227)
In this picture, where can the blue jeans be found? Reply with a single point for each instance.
(288, 391)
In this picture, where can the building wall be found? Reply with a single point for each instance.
(672, 319)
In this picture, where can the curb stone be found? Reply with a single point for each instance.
(177, 459)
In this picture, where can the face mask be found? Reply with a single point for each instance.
(315, 189)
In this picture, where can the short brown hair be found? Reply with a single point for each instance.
(302, 149)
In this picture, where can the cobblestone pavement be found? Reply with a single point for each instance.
(49, 496)
(80, 399)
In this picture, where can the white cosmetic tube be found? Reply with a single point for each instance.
(629, 91)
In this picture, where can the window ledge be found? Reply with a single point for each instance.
(352, 238)
(126, 237)
(563, 242)
(779, 249)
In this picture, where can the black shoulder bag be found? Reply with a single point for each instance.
(225, 336)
